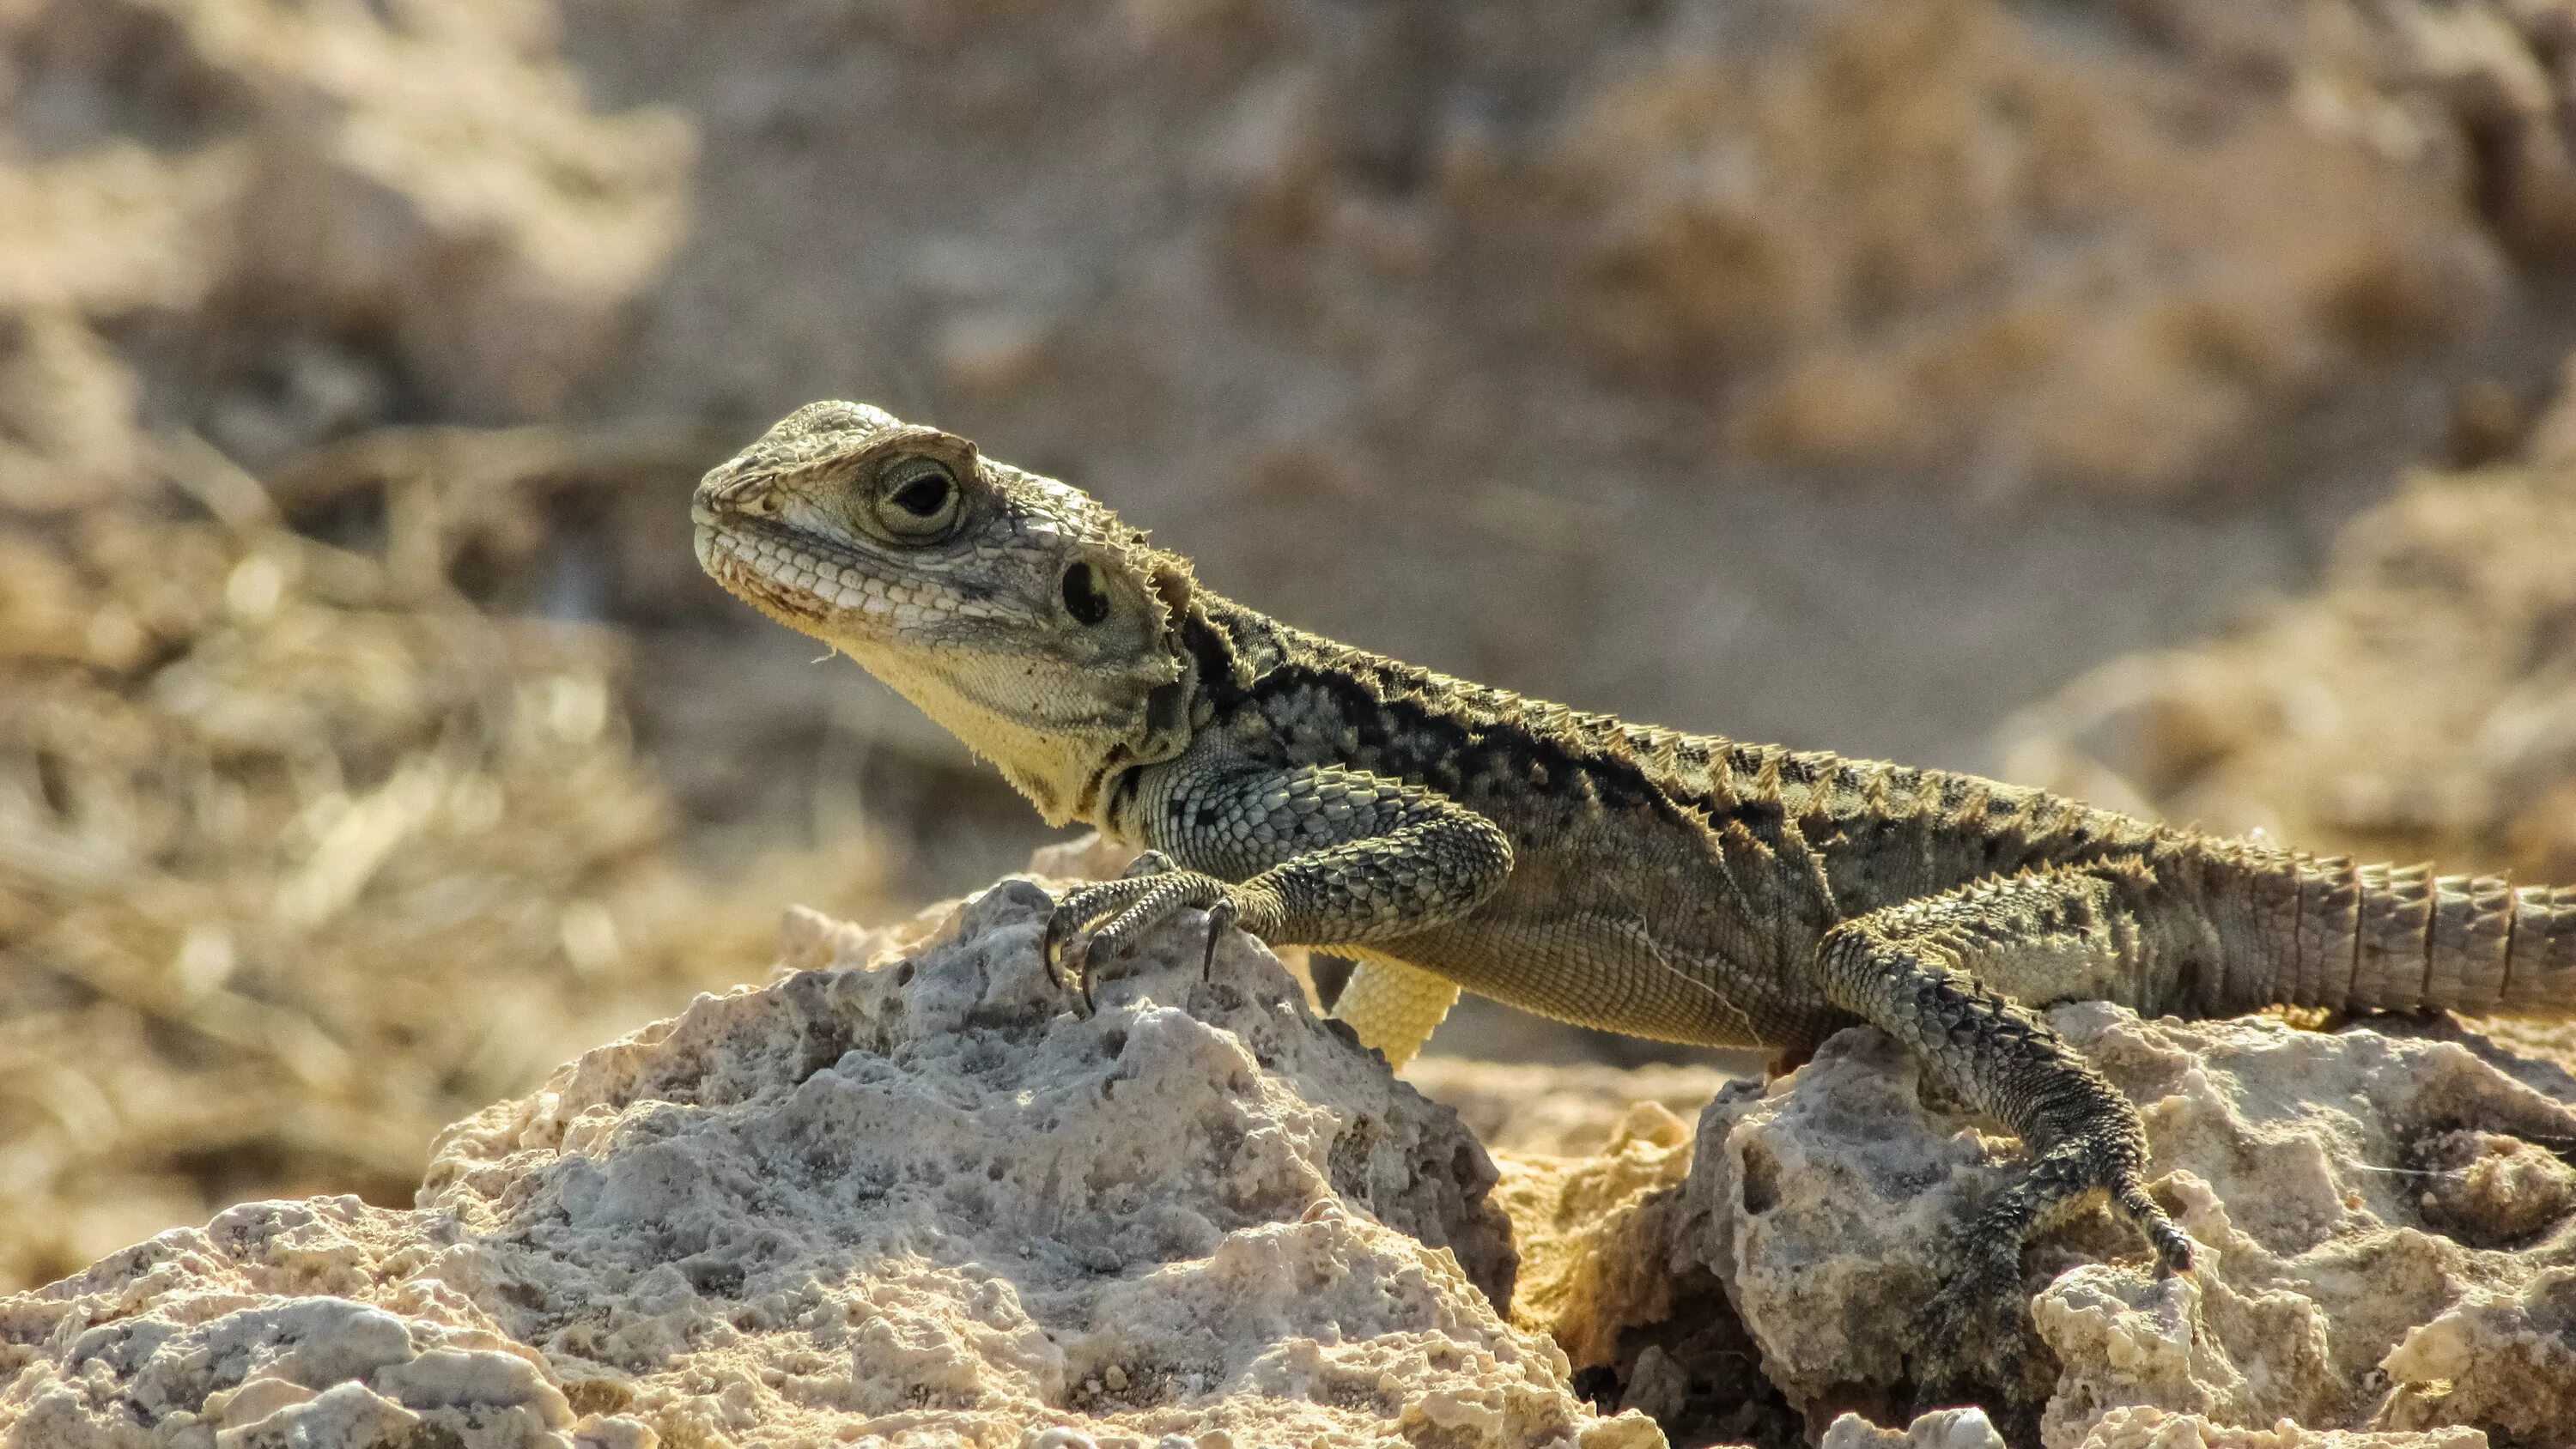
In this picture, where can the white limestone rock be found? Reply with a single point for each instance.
(2390, 1238)
(2142, 1427)
(909, 1203)
(1940, 1429)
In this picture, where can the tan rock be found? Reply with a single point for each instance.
(918, 1200)
(2142, 1427)
(1588, 1229)
(1940, 1429)
(2339, 1293)
(2505, 1359)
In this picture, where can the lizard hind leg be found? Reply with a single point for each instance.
(1942, 974)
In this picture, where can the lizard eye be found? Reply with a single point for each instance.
(1082, 596)
(917, 498)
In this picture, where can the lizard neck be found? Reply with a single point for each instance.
(1224, 648)
(1232, 645)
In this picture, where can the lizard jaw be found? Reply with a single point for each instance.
(720, 555)
(814, 586)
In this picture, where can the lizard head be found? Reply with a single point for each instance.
(1017, 612)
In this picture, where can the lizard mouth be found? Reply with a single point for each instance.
(807, 581)
(787, 576)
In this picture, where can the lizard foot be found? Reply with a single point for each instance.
(1105, 919)
(1974, 1338)
(1976, 1331)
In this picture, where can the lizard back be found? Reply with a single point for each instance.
(1696, 872)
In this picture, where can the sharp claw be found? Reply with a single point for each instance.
(1220, 919)
(1066, 953)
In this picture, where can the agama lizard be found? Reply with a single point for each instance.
(1684, 887)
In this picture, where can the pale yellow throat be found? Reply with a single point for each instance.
(1048, 766)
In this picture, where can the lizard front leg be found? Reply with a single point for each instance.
(1306, 855)
(1934, 973)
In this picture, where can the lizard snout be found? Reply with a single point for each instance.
(732, 491)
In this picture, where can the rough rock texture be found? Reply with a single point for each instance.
(1940, 1429)
(1588, 1227)
(1591, 1162)
(918, 1203)
(2391, 1240)
(2142, 1427)
(2134, 1428)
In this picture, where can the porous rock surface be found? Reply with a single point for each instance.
(2137, 1427)
(1588, 1229)
(1940, 1429)
(915, 1203)
(2391, 1245)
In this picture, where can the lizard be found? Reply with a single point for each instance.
(1446, 835)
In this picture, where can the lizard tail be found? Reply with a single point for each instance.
(2399, 938)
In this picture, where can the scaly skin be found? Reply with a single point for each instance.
(1681, 887)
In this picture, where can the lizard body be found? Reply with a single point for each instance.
(1684, 887)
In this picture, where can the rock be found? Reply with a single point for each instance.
(1940, 1429)
(279, 1324)
(2507, 1361)
(2140, 1427)
(1588, 1228)
(2357, 1277)
(917, 1200)
(1591, 1179)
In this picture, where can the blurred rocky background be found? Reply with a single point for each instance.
(2152, 397)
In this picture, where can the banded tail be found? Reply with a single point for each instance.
(2329, 933)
